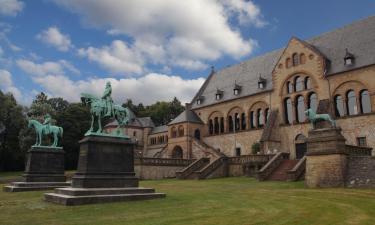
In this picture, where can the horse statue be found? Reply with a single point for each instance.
(105, 108)
(41, 129)
(314, 117)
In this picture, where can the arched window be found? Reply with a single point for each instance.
(211, 127)
(252, 119)
(180, 131)
(267, 114)
(308, 83)
(174, 132)
(298, 83)
(300, 109)
(197, 134)
(288, 111)
(216, 125)
(365, 102)
(177, 153)
(289, 87)
(351, 103)
(339, 106)
(295, 59)
(302, 58)
(312, 102)
(288, 62)
(237, 121)
(260, 118)
(243, 121)
(230, 123)
(222, 125)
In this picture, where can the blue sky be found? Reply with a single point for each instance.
(149, 50)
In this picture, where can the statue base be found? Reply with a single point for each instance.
(105, 173)
(44, 170)
(326, 158)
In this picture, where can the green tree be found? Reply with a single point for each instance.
(12, 120)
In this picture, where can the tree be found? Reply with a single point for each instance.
(12, 120)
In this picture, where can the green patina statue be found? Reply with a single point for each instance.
(313, 117)
(105, 108)
(45, 129)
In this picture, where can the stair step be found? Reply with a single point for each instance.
(280, 173)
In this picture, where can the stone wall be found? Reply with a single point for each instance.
(361, 171)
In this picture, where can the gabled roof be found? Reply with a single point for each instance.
(135, 122)
(187, 116)
(358, 38)
(159, 129)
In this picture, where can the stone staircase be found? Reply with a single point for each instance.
(281, 172)
(189, 171)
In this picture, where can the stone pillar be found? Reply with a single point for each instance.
(326, 159)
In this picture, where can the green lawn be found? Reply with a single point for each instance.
(226, 201)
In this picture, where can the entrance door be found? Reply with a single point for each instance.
(301, 146)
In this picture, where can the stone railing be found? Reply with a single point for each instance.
(210, 168)
(163, 162)
(298, 170)
(267, 169)
(183, 174)
(204, 145)
(243, 159)
(358, 150)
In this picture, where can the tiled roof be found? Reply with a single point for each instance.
(159, 129)
(186, 116)
(358, 38)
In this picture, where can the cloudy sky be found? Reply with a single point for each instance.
(149, 49)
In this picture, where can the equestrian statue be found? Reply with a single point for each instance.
(314, 117)
(45, 129)
(104, 107)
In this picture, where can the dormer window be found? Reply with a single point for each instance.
(262, 82)
(200, 100)
(219, 94)
(236, 89)
(349, 58)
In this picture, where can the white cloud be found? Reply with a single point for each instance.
(10, 7)
(166, 31)
(117, 57)
(53, 37)
(46, 68)
(148, 89)
(6, 84)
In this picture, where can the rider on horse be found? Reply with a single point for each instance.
(47, 123)
(108, 99)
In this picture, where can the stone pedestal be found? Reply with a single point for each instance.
(326, 158)
(44, 170)
(105, 173)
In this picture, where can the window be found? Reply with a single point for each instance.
(365, 102)
(237, 121)
(236, 91)
(230, 123)
(300, 109)
(289, 87)
(243, 121)
(260, 118)
(302, 58)
(222, 125)
(361, 141)
(288, 63)
(216, 125)
(288, 111)
(351, 103)
(313, 102)
(267, 113)
(339, 106)
(218, 96)
(134, 133)
(174, 132)
(308, 83)
(180, 131)
(298, 84)
(295, 59)
(238, 152)
(252, 119)
(210, 127)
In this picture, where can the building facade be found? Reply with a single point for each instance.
(263, 100)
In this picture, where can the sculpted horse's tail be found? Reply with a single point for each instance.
(61, 131)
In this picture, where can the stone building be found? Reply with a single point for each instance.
(263, 99)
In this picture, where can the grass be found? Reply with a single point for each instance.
(217, 201)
